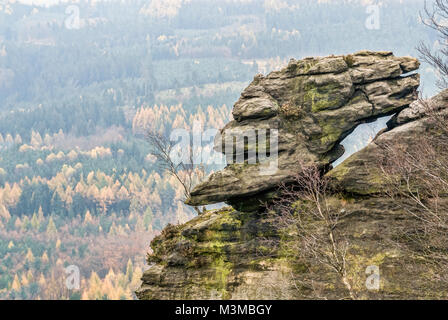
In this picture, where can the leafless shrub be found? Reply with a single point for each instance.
(416, 177)
(304, 211)
(187, 174)
(435, 16)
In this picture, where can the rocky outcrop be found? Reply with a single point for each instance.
(244, 254)
(227, 254)
(312, 105)
(360, 174)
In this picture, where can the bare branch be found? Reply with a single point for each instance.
(416, 177)
(303, 211)
(436, 18)
(187, 174)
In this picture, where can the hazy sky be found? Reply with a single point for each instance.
(54, 2)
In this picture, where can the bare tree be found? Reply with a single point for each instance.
(435, 16)
(416, 177)
(187, 174)
(304, 211)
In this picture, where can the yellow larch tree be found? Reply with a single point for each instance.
(16, 283)
(29, 256)
(51, 228)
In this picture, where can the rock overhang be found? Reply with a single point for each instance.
(312, 105)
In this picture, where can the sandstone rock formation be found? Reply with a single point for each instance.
(240, 254)
(313, 104)
(227, 254)
(360, 174)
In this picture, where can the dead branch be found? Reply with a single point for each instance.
(304, 212)
(435, 16)
(416, 177)
(187, 174)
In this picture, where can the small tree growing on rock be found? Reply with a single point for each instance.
(187, 174)
(416, 177)
(435, 16)
(306, 213)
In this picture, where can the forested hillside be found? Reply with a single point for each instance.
(81, 84)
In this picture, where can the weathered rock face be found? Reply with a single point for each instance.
(231, 254)
(226, 254)
(360, 173)
(237, 254)
(313, 104)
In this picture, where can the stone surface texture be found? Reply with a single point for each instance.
(314, 104)
(239, 254)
